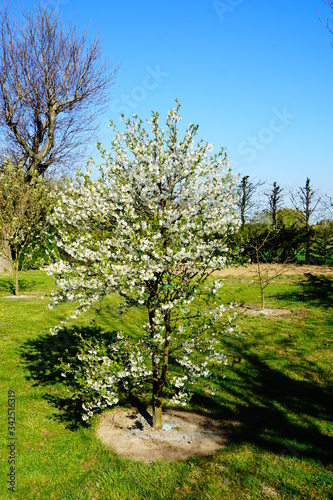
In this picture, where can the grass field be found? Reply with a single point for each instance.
(276, 400)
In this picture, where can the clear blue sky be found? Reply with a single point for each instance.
(255, 75)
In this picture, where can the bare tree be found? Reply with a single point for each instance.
(247, 190)
(53, 82)
(265, 272)
(275, 198)
(306, 201)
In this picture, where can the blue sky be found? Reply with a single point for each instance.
(255, 75)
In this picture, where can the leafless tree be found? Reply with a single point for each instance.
(275, 198)
(53, 83)
(306, 201)
(247, 189)
(266, 272)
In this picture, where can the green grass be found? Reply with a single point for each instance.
(276, 398)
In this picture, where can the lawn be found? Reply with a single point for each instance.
(275, 397)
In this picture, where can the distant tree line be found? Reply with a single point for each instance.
(295, 227)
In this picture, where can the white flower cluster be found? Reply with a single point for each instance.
(100, 371)
(179, 382)
(180, 398)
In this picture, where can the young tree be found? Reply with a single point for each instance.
(23, 210)
(265, 272)
(53, 82)
(152, 227)
(306, 201)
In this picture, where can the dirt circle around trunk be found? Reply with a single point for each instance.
(184, 434)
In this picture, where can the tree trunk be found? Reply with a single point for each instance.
(260, 279)
(307, 250)
(5, 264)
(262, 298)
(6, 253)
(157, 406)
(16, 278)
(157, 413)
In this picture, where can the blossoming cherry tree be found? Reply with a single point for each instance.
(152, 227)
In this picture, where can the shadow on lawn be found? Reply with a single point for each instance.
(8, 285)
(315, 291)
(270, 410)
(275, 412)
(42, 358)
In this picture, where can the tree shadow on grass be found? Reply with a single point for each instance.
(275, 412)
(263, 406)
(42, 357)
(315, 290)
(8, 285)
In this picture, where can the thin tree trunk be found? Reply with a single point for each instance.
(157, 413)
(159, 370)
(262, 298)
(16, 270)
(260, 278)
(156, 403)
(307, 251)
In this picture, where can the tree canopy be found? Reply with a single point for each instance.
(23, 211)
(152, 227)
